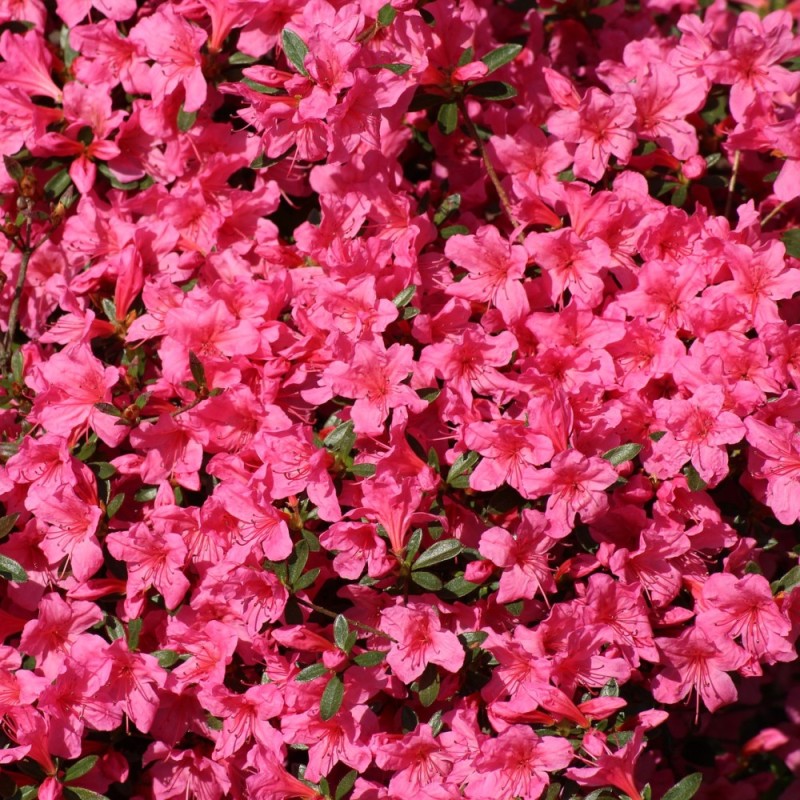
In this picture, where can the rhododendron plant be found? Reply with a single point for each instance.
(399, 400)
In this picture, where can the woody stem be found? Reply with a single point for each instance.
(732, 184)
(487, 162)
(326, 612)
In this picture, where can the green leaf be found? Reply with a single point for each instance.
(501, 55)
(492, 90)
(386, 15)
(429, 685)
(306, 580)
(453, 230)
(657, 436)
(107, 408)
(611, 689)
(241, 60)
(301, 551)
(414, 541)
(363, 470)
(80, 768)
(341, 438)
(466, 57)
(296, 50)
(693, 479)
(14, 169)
(791, 241)
(447, 118)
(427, 580)
(370, 658)
(186, 119)
(79, 793)
(134, 629)
(58, 184)
(678, 198)
(405, 297)
(341, 631)
(165, 658)
(332, 698)
(114, 629)
(197, 369)
(261, 88)
(12, 570)
(686, 789)
(398, 69)
(311, 673)
(788, 581)
(443, 550)
(462, 467)
(7, 524)
(623, 453)
(450, 204)
(436, 723)
(114, 504)
(146, 494)
(17, 366)
(460, 586)
(103, 469)
(345, 784)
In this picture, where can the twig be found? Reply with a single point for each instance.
(778, 208)
(333, 615)
(487, 162)
(732, 184)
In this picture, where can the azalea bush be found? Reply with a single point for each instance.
(399, 400)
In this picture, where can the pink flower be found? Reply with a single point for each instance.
(419, 641)
(576, 485)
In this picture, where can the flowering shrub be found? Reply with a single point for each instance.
(399, 401)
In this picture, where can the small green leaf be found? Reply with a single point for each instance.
(301, 551)
(693, 479)
(370, 658)
(7, 524)
(58, 184)
(109, 409)
(109, 309)
(311, 673)
(79, 793)
(450, 204)
(443, 550)
(345, 784)
(686, 789)
(791, 241)
(12, 570)
(197, 369)
(295, 49)
(17, 366)
(186, 120)
(429, 685)
(134, 629)
(462, 466)
(241, 60)
(14, 169)
(386, 15)
(492, 90)
(460, 586)
(341, 631)
(146, 494)
(611, 689)
(103, 469)
(436, 723)
(501, 55)
(114, 629)
(623, 453)
(307, 579)
(657, 436)
(114, 505)
(414, 541)
(341, 438)
(165, 658)
(363, 470)
(398, 69)
(447, 118)
(466, 57)
(788, 581)
(453, 230)
(678, 198)
(332, 698)
(261, 88)
(427, 580)
(80, 768)
(405, 297)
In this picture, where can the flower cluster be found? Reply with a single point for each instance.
(399, 400)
